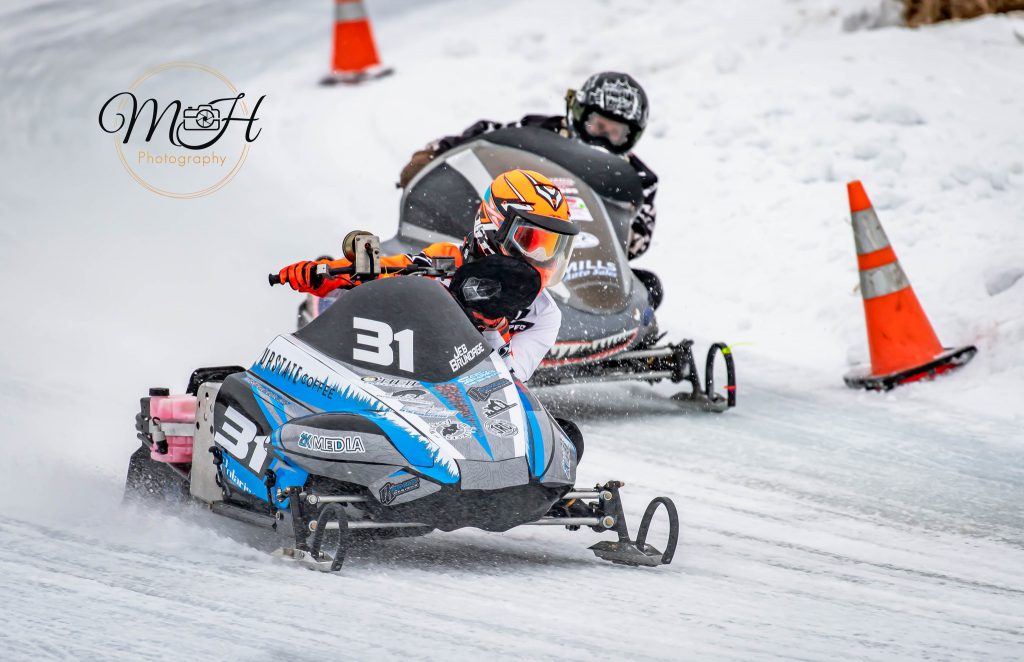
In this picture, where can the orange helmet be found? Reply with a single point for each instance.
(524, 215)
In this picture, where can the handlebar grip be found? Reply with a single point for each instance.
(323, 271)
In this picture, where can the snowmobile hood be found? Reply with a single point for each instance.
(478, 413)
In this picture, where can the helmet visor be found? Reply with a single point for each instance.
(537, 243)
(546, 249)
(614, 131)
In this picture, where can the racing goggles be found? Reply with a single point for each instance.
(614, 131)
(544, 242)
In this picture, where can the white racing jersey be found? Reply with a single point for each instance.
(532, 334)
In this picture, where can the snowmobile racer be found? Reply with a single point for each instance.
(332, 436)
(522, 215)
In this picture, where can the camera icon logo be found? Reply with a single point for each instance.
(203, 117)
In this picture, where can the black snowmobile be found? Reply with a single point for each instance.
(609, 330)
(388, 415)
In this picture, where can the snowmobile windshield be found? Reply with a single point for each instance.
(404, 326)
(603, 192)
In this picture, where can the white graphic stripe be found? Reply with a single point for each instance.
(469, 165)
(445, 452)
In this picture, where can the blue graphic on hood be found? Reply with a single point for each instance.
(478, 430)
(535, 452)
(420, 451)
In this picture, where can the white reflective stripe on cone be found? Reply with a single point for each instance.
(883, 280)
(867, 232)
(346, 10)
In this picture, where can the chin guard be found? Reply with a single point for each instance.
(496, 286)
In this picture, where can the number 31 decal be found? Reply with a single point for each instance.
(236, 434)
(375, 347)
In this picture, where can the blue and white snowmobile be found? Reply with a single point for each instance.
(387, 415)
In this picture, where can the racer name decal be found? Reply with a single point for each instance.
(463, 356)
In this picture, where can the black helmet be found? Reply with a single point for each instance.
(610, 110)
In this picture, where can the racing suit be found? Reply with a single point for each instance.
(642, 228)
(521, 341)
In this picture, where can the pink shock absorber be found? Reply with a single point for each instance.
(181, 410)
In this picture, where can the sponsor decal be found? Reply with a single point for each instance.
(585, 240)
(391, 381)
(279, 364)
(567, 185)
(426, 411)
(578, 210)
(503, 428)
(409, 394)
(453, 396)
(265, 392)
(323, 444)
(464, 356)
(236, 481)
(591, 269)
(474, 378)
(495, 407)
(481, 393)
(519, 326)
(390, 491)
(451, 429)
(567, 450)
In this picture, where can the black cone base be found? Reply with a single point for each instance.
(948, 360)
(356, 77)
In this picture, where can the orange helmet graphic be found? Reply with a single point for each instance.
(524, 215)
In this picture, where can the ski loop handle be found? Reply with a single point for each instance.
(332, 512)
(730, 373)
(673, 527)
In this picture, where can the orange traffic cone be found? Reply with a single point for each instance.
(355, 53)
(903, 345)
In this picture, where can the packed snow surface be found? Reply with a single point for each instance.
(818, 522)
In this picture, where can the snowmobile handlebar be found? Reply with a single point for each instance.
(438, 268)
(322, 271)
